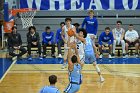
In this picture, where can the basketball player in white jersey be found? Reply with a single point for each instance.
(64, 36)
(80, 42)
(118, 34)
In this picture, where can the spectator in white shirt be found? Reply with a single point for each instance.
(118, 34)
(132, 38)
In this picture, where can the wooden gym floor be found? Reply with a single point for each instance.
(30, 78)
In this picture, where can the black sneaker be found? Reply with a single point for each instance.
(112, 55)
(124, 55)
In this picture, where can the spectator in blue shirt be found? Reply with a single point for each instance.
(51, 88)
(58, 39)
(91, 27)
(48, 40)
(91, 23)
(106, 40)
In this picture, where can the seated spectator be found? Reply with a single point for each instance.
(77, 26)
(15, 43)
(0, 31)
(106, 40)
(58, 39)
(132, 38)
(48, 40)
(33, 41)
(51, 88)
(118, 34)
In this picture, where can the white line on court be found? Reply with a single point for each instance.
(8, 70)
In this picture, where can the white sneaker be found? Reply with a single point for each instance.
(126, 56)
(102, 79)
(14, 58)
(101, 56)
(64, 66)
(136, 55)
(109, 56)
(59, 56)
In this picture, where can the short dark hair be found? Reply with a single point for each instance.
(84, 32)
(47, 27)
(76, 24)
(119, 22)
(62, 23)
(52, 79)
(74, 59)
(14, 27)
(130, 24)
(32, 27)
(68, 18)
(107, 28)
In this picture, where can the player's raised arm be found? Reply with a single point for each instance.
(70, 64)
(70, 53)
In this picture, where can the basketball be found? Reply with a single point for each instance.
(70, 32)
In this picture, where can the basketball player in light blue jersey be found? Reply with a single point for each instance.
(51, 88)
(74, 69)
(90, 56)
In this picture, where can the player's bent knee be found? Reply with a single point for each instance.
(94, 63)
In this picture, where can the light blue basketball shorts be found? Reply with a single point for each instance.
(89, 57)
(72, 88)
